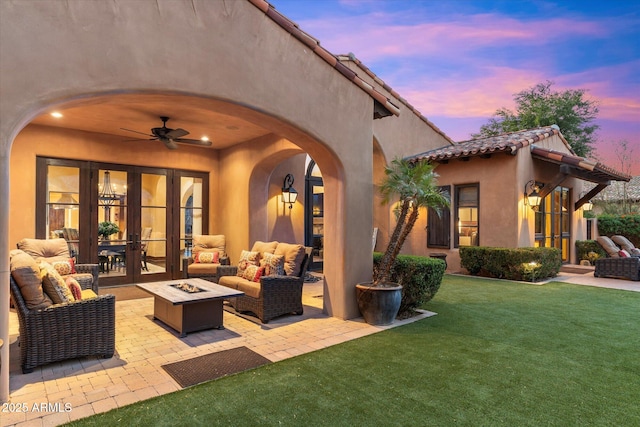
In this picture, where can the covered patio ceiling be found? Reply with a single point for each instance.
(142, 111)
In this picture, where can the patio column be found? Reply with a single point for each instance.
(4, 269)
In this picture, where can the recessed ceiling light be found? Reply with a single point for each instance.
(56, 114)
(204, 138)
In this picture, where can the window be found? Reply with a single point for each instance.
(439, 224)
(466, 210)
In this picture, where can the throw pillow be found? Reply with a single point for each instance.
(272, 264)
(54, 285)
(207, 257)
(64, 268)
(623, 254)
(26, 273)
(635, 252)
(247, 258)
(74, 287)
(253, 273)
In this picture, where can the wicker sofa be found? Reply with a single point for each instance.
(275, 293)
(51, 332)
(616, 266)
(208, 253)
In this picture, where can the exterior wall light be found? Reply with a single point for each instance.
(289, 194)
(531, 195)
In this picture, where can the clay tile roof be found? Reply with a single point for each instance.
(598, 171)
(313, 44)
(505, 143)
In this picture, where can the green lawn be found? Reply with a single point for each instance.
(497, 353)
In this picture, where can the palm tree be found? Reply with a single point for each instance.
(415, 184)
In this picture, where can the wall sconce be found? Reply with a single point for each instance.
(531, 195)
(588, 205)
(289, 194)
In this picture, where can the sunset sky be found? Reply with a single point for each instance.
(458, 61)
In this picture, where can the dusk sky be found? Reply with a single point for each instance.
(458, 61)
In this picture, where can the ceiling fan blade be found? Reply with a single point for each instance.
(135, 131)
(176, 133)
(194, 142)
(169, 143)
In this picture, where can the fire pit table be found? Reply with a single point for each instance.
(189, 305)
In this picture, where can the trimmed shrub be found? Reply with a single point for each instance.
(526, 264)
(589, 250)
(419, 276)
(625, 225)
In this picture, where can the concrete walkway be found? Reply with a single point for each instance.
(69, 390)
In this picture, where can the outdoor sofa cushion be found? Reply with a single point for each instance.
(26, 273)
(624, 243)
(49, 250)
(210, 243)
(610, 248)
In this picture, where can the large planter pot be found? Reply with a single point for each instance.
(379, 304)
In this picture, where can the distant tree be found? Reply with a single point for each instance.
(541, 106)
(627, 159)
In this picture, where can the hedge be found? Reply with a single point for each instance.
(526, 264)
(419, 276)
(625, 225)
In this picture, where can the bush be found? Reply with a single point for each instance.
(527, 264)
(625, 225)
(419, 276)
(589, 250)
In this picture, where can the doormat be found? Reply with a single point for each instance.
(214, 365)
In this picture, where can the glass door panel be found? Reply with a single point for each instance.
(191, 212)
(63, 206)
(153, 221)
(112, 223)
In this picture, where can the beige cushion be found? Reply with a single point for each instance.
(210, 243)
(250, 289)
(26, 272)
(623, 242)
(203, 269)
(54, 285)
(293, 256)
(230, 281)
(47, 250)
(261, 247)
(608, 245)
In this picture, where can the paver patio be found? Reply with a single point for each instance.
(90, 386)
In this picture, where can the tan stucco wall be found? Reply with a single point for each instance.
(505, 220)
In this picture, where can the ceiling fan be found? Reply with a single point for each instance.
(170, 137)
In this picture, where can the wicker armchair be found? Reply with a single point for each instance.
(191, 267)
(278, 295)
(64, 331)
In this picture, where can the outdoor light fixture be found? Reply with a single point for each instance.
(107, 195)
(289, 194)
(588, 205)
(531, 195)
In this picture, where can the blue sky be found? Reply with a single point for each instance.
(458, 61)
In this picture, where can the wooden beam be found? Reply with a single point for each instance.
(557, 180)
(591, 194)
